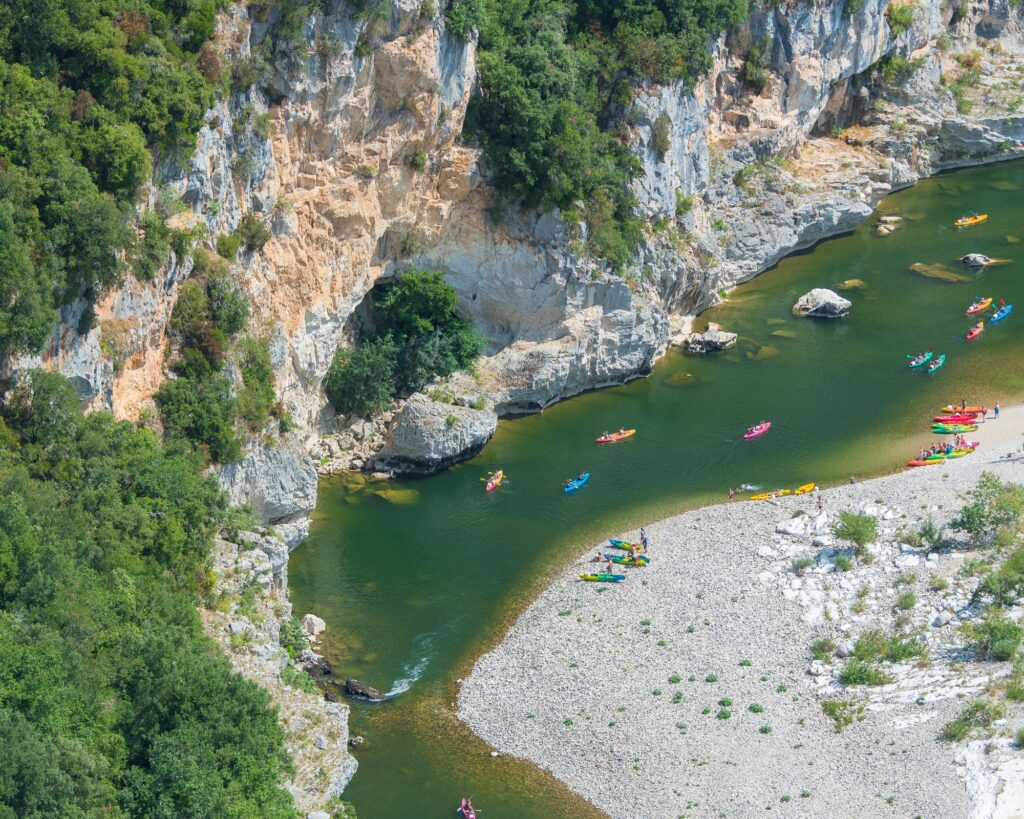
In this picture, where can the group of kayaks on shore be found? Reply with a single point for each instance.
(955, 420)
(635, 556)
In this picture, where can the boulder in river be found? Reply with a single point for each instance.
(714, 338)
(354, 688)
(313, 625)
(822, 303)
(975, 260)
(314, 664)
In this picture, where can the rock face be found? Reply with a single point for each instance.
(427, 436)
(821, 303)
(354, 688)
(279, 483)
(316, 731)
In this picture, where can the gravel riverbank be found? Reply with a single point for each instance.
(689, 689)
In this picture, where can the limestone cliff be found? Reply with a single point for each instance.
(359, 167)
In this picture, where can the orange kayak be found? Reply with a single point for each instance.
(614, 437)
(976, 330)
(979, 306)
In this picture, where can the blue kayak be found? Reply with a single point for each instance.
(1001, 313)
(577, 483)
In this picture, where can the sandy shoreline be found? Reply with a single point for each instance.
(619, 691)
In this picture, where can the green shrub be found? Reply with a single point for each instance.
(900, 17)
(822, 648)
(906, 601)
(200, 412)
(463, 16)
(417, 160)
(152, 249)
(979, 714)
(256, 396)
(860, 530)
(684, 204)
(660, 142)
(938, 584)
(801, 565)
(293, 637)
(858, 672)
(851, 7)
(362, 380)
(253, 231)
(844, 562)
(842, 712)
(297, 678)
(995, 638)
(755, 68)
(897, 70)
(228, 244)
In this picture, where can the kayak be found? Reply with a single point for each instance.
(922, 463)
(941, 456)
(976, 330)
(973, 219)
(937, 364)
(614, 437)
(465, 810)
(603, 577)
(950, 408)
(762, 496)
(615, 543)
(956, 418)
(1001, 313)
(918, 360)
(979, 306)
(627, 560)
(577, 483)
(953, 429)
(760, 429)
(495, 480)
(803, 490)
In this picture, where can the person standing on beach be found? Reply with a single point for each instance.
(643, 538)
(995, 411)
(821, 503)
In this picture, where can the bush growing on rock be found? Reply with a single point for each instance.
(995, 638)
(419, 336)
(979, 714)
(858, 529)
(858, 672)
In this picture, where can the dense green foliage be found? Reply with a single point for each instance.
(86, 89)
(112, 702)
(198, 407)
(556, 84)
(859, 529)
(419, 336)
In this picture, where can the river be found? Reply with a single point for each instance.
(415, 586)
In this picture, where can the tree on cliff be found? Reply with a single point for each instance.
(419, 335)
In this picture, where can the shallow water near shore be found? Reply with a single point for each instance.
(413, 591)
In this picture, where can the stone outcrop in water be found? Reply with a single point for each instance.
(712, 339)
(975, 260)
(822, 303)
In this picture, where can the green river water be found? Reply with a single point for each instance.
(413, 591)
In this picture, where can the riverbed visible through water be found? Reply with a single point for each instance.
(414, 585)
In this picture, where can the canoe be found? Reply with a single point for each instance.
(1001, 313)
(614, 437)
(979, 306)
(615, 543)
(603, 577)
(918, 360)
(627, 560)
(760, 429)
(577, 483)
(937, 363)
(922, 463)
(967, 221)
(803, 490)
(495, 480)
(956, 410)
(955, 418)
(976, 330)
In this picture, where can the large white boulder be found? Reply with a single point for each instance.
(822, 303)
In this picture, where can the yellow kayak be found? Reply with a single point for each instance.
(803, 490)
(967, 221)
(762, 496)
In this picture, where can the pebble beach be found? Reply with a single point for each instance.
(690, 690)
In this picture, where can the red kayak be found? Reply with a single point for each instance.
(923, 463)
(959, 418)
(760, 429)
(976, 330)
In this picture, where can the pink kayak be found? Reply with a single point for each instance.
(760, 429)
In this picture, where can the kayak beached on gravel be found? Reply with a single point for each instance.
(603, 577)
